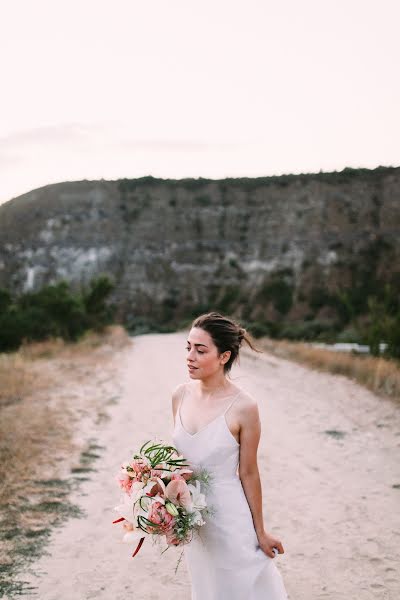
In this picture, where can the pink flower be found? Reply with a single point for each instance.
(124, 481)
(140, 467)
(159, 515)
(178, 492)
(137, 465)
(171, 538)
(182, 474)
(155, 473)
(155, 487)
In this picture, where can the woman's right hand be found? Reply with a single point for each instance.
(267, 542)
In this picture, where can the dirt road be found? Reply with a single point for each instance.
(329, 466)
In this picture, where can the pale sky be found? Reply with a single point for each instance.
(95, 89)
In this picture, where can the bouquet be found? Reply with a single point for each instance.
(161, 496)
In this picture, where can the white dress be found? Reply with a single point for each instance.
(224, 559)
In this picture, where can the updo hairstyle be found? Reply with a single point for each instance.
(226, 334)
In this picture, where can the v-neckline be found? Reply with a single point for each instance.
(202, 428)
(210, 422)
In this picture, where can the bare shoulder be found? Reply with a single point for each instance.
(176, 395)
(247, 408)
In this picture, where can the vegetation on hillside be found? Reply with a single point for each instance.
(250, 183)
(371, 319)
(54, 311)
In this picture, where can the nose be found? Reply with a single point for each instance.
(190, 355)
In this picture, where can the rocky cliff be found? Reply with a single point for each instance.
(292, 248)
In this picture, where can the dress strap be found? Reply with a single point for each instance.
(234, 400)
(183, 393)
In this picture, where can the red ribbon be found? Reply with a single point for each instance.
(138, 547)
(141, 539)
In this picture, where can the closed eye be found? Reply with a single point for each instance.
(199, 351)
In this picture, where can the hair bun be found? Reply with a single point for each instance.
(242, 333)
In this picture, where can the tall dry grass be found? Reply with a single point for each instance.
(380, 375)
(33, 420)
(46, 389)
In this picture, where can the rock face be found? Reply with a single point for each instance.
(261, 249)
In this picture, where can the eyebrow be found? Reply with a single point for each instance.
(198, 344)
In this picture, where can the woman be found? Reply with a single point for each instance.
(216, 424)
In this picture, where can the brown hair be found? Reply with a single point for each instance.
(226, 334)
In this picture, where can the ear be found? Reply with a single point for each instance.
(225, 356)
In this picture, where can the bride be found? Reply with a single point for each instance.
(217, 426)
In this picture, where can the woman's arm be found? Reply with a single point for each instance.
(250, 433)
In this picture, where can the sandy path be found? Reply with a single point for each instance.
(330, 499)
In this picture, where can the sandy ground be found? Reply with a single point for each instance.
(332, 498)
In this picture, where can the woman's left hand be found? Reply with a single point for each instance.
(267, 542)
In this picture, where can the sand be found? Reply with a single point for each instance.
(330, 497)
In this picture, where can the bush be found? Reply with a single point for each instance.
(98, 313)
(308, 331)
(267, 328)
(383, 324)
(278, 292)
(53, 311)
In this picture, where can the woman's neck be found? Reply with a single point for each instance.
(214, 384)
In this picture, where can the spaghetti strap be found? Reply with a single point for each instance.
(233, 401)
(184, 391)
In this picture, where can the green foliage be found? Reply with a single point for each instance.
(266, 328)
(365, 281)
(347, 175)
(350, 335)
(5, 300)
(278, 291)
(393, 338)
(229, 299)
(203, 200)
(383, 324)
(53, 311)
(323, 331)
(320, 297)
(98, 312)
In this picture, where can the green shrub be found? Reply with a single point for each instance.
(53, 311)
(98, 312)
(383, 324)
(266, 328)
(310, 330)
(277, 291)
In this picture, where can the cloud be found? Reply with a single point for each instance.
(46, 134)
(94, 133)
(174, 145)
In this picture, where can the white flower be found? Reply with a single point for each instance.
(134, 536)
(125, 509)
(137, 489)
(152, 482)
(197, 519)
(199, 499)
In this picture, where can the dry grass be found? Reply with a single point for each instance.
(380, 375)
(20, 372)
(113, 337)
(47, 391)
(17, 378)
(36, 413)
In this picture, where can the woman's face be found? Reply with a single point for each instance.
(202, 355)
